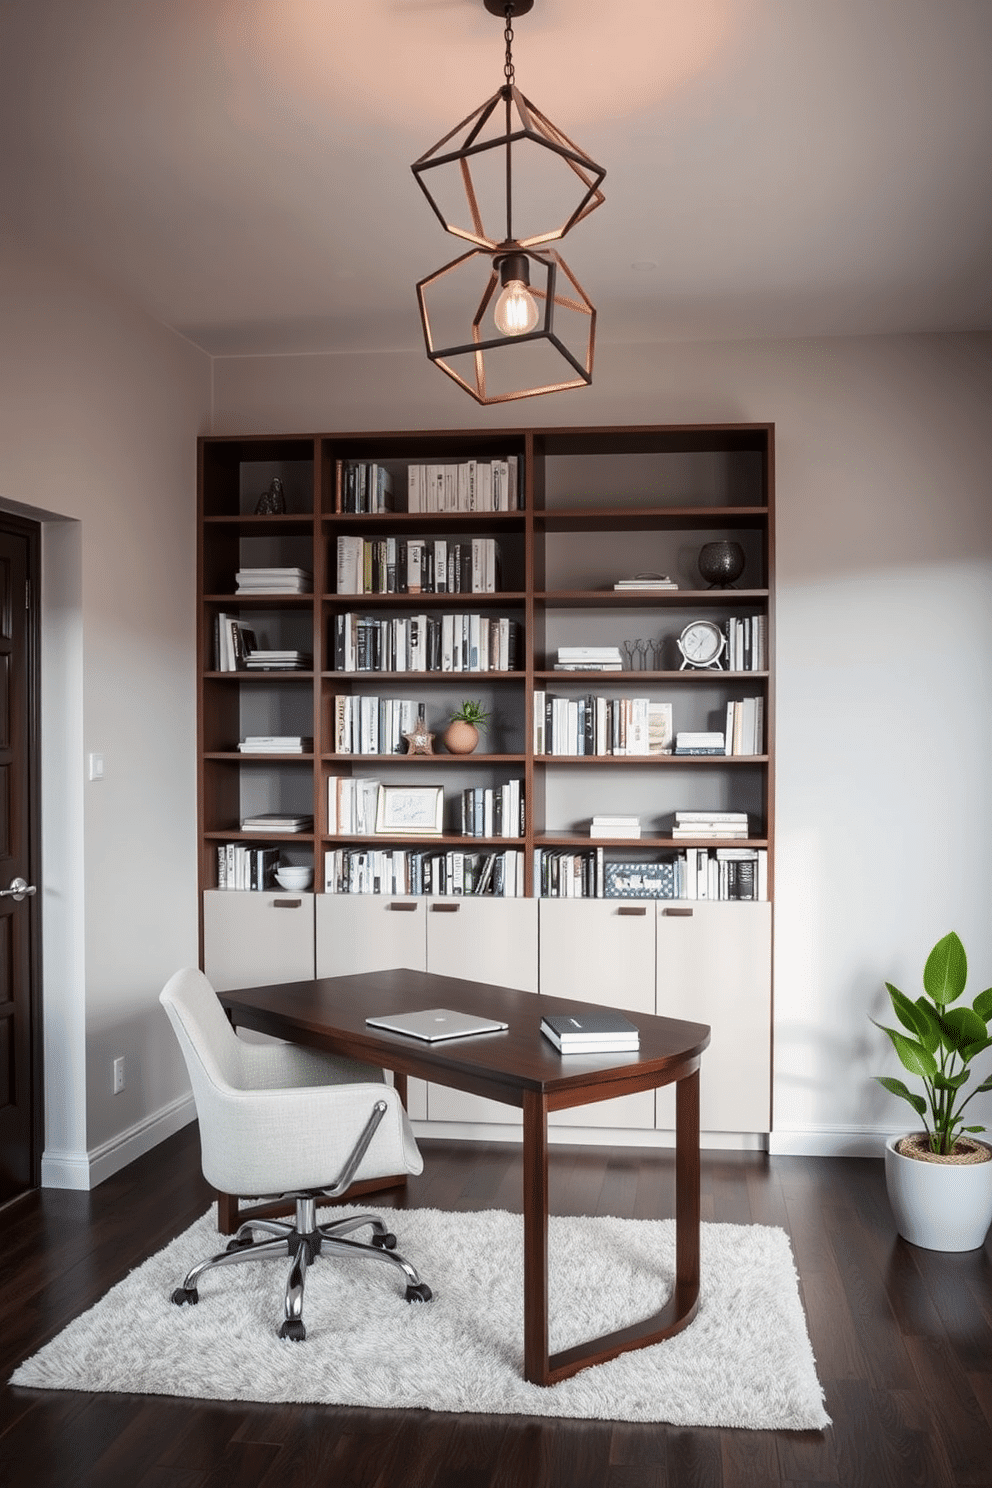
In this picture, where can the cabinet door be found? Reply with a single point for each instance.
(251, 939)
(714, 966)
(490, 940)
(373, 932)
(601, 950)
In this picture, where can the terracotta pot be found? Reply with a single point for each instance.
(461, 737)
(939, 1205)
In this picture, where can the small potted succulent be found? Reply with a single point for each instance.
(939, 1180)
(462, 734)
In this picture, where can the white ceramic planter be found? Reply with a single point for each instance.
(939, 1206)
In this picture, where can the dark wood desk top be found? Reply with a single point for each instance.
(331, 1012)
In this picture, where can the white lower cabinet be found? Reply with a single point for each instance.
(250, 940)
(487, 940)
(373, 932)
(601, 950)
(715, 967)
(709, 963)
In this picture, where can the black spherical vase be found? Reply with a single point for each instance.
(721, 563)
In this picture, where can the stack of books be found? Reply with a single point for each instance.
(745, 726)
(700, 743)
(646, 581)
(721, 824)
(275, 744)
(590, 1033)
(615, 826)
(273, 581)
(277, 821)
(278, 661)
(589, 659)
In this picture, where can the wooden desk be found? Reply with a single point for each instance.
(521, 1068)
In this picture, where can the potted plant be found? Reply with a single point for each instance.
(939, 1180)
(462, 734)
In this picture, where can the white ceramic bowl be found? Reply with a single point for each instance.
(294, 878)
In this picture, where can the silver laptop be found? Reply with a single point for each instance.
(435, 1024)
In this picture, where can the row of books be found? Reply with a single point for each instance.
(426, 643)
(419, 871)
(601, 725)
(473, 485)
(724, 873)
(747, 643)
(242, 867)
(745, 732)
(363, 486)
(417, 565)
(373, 725)
(493, 812)
(273, 581)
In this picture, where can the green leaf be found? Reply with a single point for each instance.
(983, 1004)
(951, 1082)
(963, 1027)
(896, 1087)
(930, 1022)
(984, 1087)
(919, 1021)
(973, 1128)
(946, 971)
(912, 1056)
(972, 1051)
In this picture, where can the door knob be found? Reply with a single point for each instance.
(18, 890)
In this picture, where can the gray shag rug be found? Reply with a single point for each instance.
(745, 1361)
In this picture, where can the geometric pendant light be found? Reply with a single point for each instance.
(521, 324)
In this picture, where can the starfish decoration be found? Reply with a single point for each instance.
(419, 741)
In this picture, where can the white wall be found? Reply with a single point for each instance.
(99, 412)
(884, 454)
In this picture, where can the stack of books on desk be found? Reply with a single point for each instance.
(590, 1033)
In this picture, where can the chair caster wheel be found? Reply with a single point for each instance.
(237, 1244)
(419, 1293)
(384, 1242)
(293, 1329)
(185, 1294)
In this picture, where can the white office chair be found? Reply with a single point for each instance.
(278, 1121)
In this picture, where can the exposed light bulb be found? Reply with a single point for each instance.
(516, 310)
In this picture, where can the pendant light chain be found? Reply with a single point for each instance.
(508, 38)
(508, 74)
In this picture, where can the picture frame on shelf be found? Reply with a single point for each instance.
(414, 810)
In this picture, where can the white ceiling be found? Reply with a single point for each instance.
(240, 168)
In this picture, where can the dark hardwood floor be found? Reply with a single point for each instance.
(902, 1337)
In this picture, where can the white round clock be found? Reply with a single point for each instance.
(701, 643)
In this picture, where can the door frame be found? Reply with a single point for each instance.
(31, 531)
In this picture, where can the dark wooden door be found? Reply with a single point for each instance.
(20, 1030)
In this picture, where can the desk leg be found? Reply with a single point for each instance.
(687, 1208)
(536, 1239)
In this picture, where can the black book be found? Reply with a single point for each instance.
(593, 1033)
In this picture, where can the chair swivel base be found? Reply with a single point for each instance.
(304, 1241)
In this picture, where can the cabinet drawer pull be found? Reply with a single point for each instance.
(286, 903)
(632, 909)
(402, 908)
(684, 912)
(445, 908)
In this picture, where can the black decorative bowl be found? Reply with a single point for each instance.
(721, 563)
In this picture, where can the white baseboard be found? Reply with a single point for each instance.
(588, 1136)
(829, 1141)
(84, 1170)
